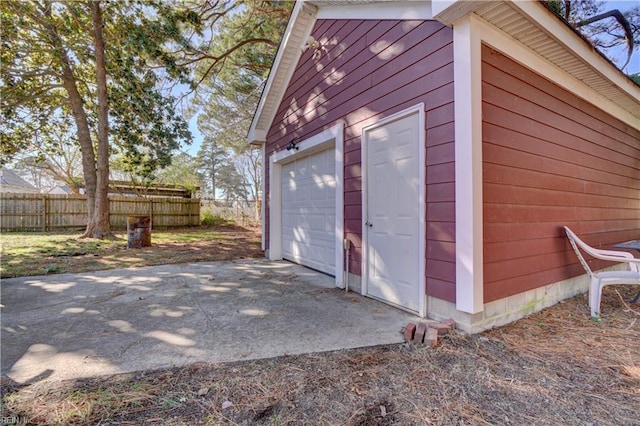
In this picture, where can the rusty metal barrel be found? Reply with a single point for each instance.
(138, 231)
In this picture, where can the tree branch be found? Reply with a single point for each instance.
(621, 20)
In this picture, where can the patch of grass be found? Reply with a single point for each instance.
(38, 253)
(209, 219)
(53, 270)
(84, 406)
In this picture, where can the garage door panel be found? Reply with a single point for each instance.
(308, 211)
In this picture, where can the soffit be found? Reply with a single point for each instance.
(301, 21)
(562, 50)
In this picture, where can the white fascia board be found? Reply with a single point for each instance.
(256, 137)
(517, 51)
(558, 30)
(449, 11)
(409, 10)
(297, 32)
(467, 52)
(439, 6)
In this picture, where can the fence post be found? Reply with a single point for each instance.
(45, 212)
(195, 205)
(151, 212)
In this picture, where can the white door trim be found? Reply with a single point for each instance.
(332, 137)
(263, 222)
(420, 110)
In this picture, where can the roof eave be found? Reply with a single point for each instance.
(626, 93)
(297, 32)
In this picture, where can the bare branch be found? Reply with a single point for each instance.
(621, 20)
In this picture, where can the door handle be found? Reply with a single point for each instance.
(369, 224)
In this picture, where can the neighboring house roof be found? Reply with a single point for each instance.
(10, 181)
(60, 189)
(528, 22)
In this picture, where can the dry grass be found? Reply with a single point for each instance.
(37, 253)
(554, 367)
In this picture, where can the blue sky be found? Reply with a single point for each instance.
(622, 5)
(192, 149)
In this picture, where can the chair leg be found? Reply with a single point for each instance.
(595, 294)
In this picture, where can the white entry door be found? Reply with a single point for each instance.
(308, 211)
(394, 235)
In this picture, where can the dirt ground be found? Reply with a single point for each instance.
(556, 367)
(26, 254)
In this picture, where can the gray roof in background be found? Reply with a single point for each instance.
(11, 178)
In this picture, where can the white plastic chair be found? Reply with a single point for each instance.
(600, 279)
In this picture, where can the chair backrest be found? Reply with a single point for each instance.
(575, 242)
(633, 264)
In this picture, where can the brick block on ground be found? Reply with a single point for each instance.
(431, 337)
(409, 331)
(418, 337)
(451, 323)
(441, 328)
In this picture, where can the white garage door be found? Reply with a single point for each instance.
(308, 211)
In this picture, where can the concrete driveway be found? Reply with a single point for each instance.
(82, 325)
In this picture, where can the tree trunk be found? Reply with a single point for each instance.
(84, 138)
(83, 131)
(99, 226)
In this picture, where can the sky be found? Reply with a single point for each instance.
(192, 149)
(632, 68)
(622, 5)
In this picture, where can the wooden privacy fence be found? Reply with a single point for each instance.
(47, 212)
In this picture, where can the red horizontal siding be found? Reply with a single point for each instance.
(441, 232)
(536, 137)
(370, 70)
(441, 289)
(509, 194)
(439, 154)
(441, 173)
(549, 159)
(510, 174)
(441, 250)
(443, 134)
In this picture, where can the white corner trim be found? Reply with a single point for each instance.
(511, 47)
(420, 110)
(332, 137)
(468, 166)
(263, 206)
(338, 136)
(417, 10)
(275, 210)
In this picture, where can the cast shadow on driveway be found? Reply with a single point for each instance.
(85, 325)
